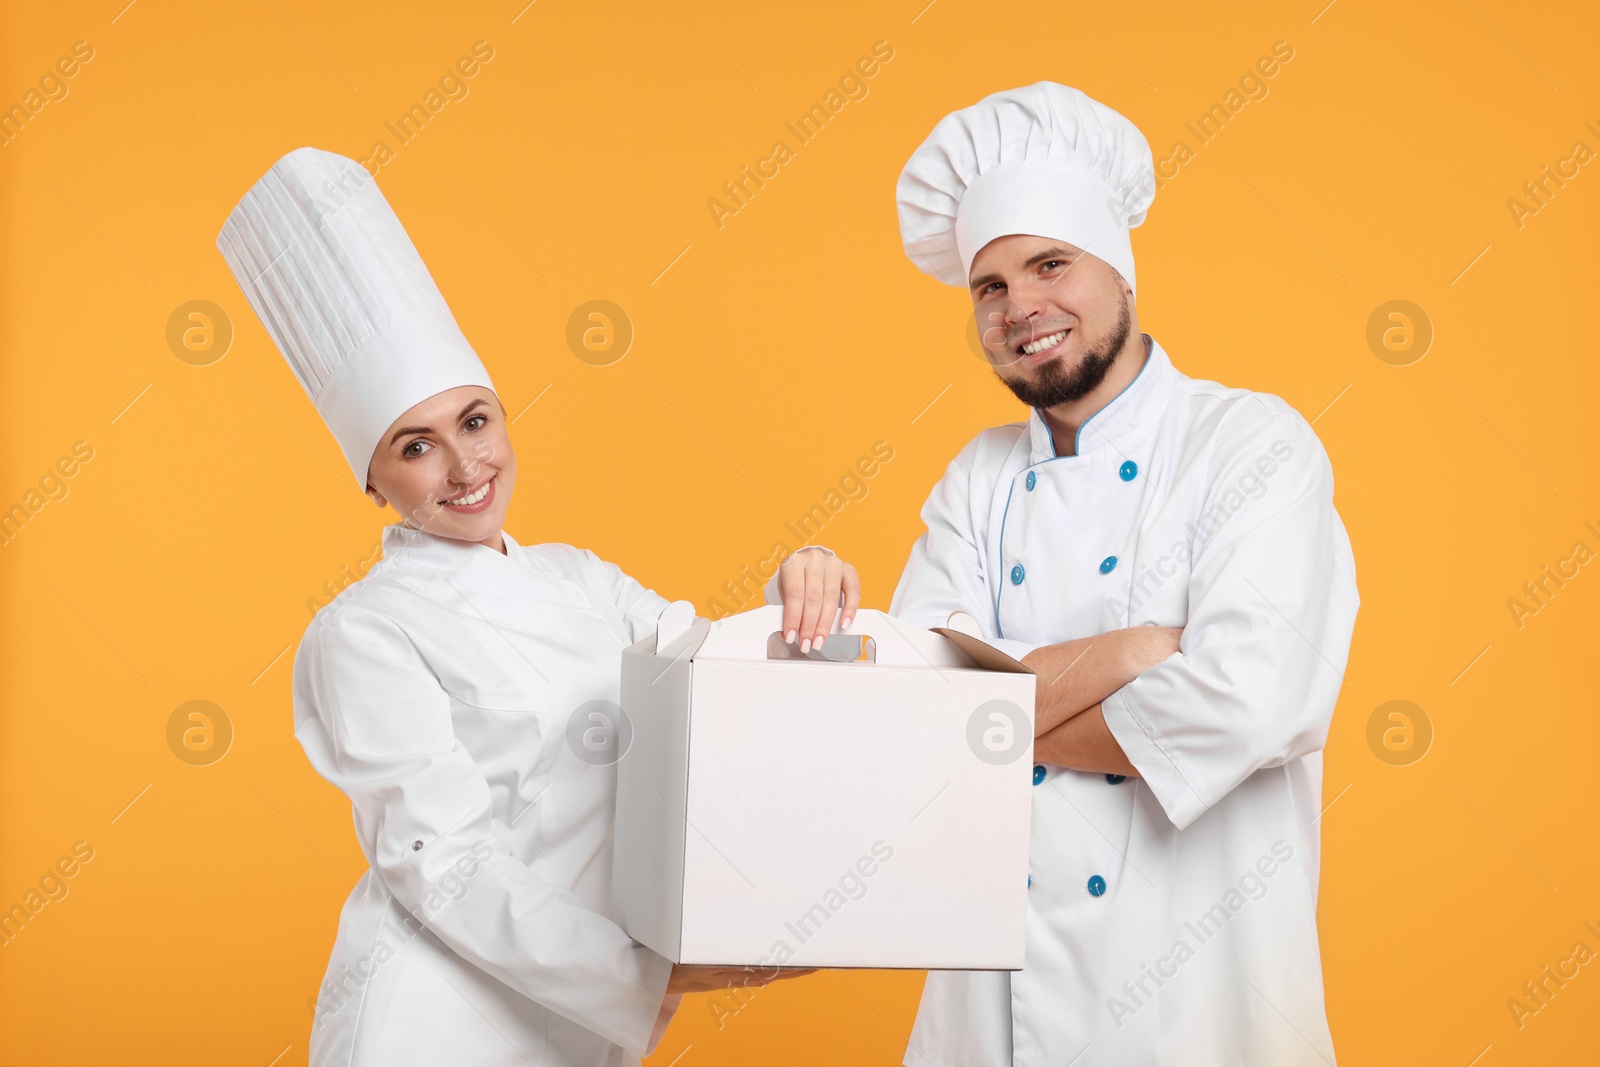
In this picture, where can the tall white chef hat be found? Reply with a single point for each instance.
(340, 288)
(1043, 160)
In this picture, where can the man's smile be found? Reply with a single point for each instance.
(1041, 349)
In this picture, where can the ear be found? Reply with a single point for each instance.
(377, 497)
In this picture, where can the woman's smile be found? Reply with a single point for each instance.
(478, 500)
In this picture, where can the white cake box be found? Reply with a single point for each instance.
(864, 807)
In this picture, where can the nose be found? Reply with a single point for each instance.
(467, 463)
(1024, 302)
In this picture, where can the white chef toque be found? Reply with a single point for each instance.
(340, 288)
(1044, 160)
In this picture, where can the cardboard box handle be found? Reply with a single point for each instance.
(676, 618)
(837, 648)
(896, 643)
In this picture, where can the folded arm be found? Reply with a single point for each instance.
(1084, 743)
(1073, 678)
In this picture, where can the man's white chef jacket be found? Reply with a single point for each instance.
(1172, 916)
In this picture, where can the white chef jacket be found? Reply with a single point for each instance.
(1171, 917)
(437, 693)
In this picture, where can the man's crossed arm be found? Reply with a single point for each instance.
(1074, 677)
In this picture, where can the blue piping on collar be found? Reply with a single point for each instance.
(1077, 438)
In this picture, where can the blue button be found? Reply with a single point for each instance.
(1116, 779)
(1016, 574)
(1107, 565)
(1032, 481)
(1030, 881)
(1097, 885)
(1038, 773)
(1129, 470)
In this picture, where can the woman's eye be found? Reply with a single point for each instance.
(480, 420)
(415, 449)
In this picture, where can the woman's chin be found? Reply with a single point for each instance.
(478, 528)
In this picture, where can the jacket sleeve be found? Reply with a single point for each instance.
(946, 571)
(375, 721)
(1272, 602)
(640, 606)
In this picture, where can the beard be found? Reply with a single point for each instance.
(1057, 384)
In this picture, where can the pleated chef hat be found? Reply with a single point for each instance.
(1043, 160)
(340, 288)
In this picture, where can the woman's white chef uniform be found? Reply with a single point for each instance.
(1172, 917)
(452, 693)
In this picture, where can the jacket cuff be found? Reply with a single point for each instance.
(652, 1018)
(669, 1008)
(1182, 804)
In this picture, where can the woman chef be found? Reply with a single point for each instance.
(440, 691)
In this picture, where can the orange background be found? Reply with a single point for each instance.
(768, 356)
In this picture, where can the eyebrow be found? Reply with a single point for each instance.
(402, 431)
(1040, 257)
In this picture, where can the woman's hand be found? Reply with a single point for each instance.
(811, 582)
(688, 978)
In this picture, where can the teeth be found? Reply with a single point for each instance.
(472, 498)
(1033, 347)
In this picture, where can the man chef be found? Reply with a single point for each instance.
(1164, 553)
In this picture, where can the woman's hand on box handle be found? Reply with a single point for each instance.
(816, 585)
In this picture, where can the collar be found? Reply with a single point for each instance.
(402, 542)
(1123, 417)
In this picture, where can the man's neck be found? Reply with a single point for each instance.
(1064, 420)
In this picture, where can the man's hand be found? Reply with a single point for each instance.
(812, 582)
(687, 978)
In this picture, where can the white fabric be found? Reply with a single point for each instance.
(1227, 529)
(346, 298)
(1043, 160)
(436, 693)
